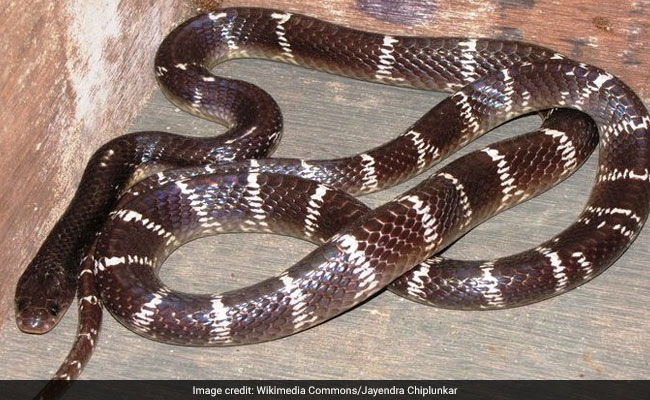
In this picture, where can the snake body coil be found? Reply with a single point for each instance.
(361, 251)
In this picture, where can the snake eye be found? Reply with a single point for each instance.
(21, 304)
(53, 309)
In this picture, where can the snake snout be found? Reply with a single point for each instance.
(37, 320)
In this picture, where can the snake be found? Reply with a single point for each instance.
(227, 183)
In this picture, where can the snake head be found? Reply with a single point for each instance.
(42, 297)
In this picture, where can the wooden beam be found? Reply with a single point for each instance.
(74, 74)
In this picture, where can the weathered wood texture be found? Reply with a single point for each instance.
(599, 331)
(71, 80)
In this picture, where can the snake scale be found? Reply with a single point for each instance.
(226, 184)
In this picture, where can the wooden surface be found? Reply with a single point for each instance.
(598, 331)
(70, 82)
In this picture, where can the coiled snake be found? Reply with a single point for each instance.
(225, 184)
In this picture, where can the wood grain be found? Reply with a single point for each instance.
(70, 81)
(70, 86)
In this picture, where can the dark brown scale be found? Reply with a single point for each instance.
(378, 246)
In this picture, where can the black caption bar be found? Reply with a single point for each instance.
(393, 390)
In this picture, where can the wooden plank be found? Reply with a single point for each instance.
(599, 331)
(70, 81)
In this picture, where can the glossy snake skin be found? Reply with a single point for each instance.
(361, 251)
